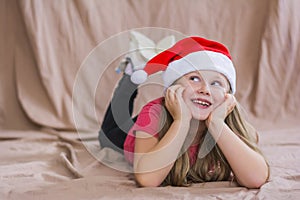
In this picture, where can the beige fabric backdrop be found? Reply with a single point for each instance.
(44, 43)
(56, 54)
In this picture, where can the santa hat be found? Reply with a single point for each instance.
(188, 55)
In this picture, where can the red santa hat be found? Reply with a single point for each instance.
(188, 55)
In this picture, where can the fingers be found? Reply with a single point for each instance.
(230, 103)
(174, 88)
(174, 101)
(174, 92)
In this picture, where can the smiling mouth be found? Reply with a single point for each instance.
(201, 102)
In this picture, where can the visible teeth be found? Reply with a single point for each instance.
(201, 102)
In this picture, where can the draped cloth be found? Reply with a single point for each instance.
(57, 62)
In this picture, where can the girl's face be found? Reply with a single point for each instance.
(204, 91)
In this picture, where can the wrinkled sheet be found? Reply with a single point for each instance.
(55, 165)
(57, 62)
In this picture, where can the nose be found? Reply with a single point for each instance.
(204, 89)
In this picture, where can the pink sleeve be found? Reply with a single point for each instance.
(149, 118)
(148, 121)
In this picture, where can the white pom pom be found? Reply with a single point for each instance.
(139, 76)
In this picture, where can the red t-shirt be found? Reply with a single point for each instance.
(149, 121)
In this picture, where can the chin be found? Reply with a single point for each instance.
(200, 117)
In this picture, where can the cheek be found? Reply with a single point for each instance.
(219, 96)
(188, 93)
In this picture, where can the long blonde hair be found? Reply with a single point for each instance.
(183, 174)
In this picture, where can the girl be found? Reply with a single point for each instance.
(193, 134)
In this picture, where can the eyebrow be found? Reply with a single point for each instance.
(219, 77)
(194, 73)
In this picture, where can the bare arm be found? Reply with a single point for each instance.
(155, 158)
(249, 167)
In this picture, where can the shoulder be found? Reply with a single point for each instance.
(151, 113)
(158, 101)
(154, 105)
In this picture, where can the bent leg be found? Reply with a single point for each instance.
(118, 120)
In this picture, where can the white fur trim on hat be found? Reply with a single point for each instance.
(201, 60)
(139, 77)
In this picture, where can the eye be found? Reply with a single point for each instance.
(217, 83)
(195, 78)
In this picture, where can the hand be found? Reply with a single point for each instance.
(175, 103)
(216, 118)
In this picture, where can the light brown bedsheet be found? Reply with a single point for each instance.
(48, 46)
(50, 165)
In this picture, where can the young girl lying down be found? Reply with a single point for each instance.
(195, 133)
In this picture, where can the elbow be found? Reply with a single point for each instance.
(257, 178)
(256, 184)
(257, 181)
(260, 180)
(144, 180)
